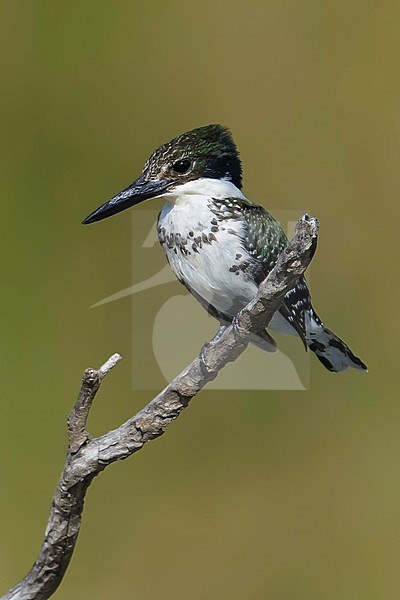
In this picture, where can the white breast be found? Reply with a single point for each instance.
(209, 268)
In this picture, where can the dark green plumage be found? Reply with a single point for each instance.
(264, 237)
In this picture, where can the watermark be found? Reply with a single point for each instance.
(169, 326)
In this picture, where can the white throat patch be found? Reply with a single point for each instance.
(211, 188)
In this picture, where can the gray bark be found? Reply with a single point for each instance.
(87, 456)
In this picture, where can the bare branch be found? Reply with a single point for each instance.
(77, 434)
(87, 457)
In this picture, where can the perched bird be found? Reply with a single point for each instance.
(218, 243)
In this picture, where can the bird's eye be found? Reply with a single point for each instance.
(181, 166)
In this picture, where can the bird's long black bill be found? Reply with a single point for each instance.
(135, 193)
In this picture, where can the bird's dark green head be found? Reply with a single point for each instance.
(206, 152)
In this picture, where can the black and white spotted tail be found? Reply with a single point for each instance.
(334, 354)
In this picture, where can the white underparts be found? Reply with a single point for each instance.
(207, 268)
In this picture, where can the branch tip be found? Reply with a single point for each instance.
(310, 223)
(109, 364)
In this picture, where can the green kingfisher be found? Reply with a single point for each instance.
(219, 244)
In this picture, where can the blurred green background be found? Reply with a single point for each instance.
(281, 495)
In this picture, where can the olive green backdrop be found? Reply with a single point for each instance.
(281, 495)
